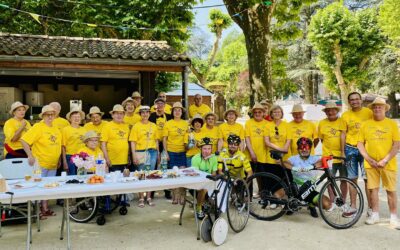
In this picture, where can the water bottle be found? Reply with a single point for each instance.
(37, 171)
(164, 161)
(100, 166)
(191, 141)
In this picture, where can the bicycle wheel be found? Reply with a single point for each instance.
(341, 203)
(82, 210)
(269, 198)
(237, 209)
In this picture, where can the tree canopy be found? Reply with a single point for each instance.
(389, 16)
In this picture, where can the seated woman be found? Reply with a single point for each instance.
(92, 142)
(207, 162)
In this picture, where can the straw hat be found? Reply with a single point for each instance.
(210, 113)
(297, 108)
(265, 102)
(144, 108)
(231, 110)
(75, 110)
(331, 105)
(177, 105)
(257, 106)
(159, 100)
(47, 109)
(94, 110)
(136, 94)
(379, 101)
(129, 99)
(117, 108)
(16, 105)
(89, 135)
(197, 117)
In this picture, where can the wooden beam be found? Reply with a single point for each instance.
(76, 87)
(55, 86)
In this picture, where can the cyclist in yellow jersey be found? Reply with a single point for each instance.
(230, 127)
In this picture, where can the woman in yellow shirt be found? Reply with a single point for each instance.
(72, 139)
(211, 130)
(91, 140)
(14, 129)
(131, 117)
(193, 137)
(230, 127)
(144, 146)
(174, 144)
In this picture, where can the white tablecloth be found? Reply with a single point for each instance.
(107, 188)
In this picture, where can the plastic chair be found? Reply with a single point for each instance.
(17, 168)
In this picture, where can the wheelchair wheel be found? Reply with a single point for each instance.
(238, 205)
(101, 220)
(123, 211)
(82, 210)
(341, 203)
(219, 231)
(269, 198)
(205, 229)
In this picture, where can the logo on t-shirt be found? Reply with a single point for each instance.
(52, 138)
(333, 131)
(121, 133)
(299, 132)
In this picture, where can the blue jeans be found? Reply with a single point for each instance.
(71, 166)
(176, 159)
(189, 161)
(153, 159)
(355, 163)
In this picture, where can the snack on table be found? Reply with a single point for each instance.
(51, 185)
(172, 174)
(95, 179)
(190, 172)
(155, 174)
(37, 179)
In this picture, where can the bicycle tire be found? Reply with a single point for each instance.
(80, 215)
(342, 209)
(238, 204)
(267, 207)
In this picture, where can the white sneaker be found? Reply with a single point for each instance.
(350, 212)
(273, 206)
(373, 219)
(369, 212)
(333, 207)
(345, 208)
(395, 223)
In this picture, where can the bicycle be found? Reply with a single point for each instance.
(236, 197)
(271, 206)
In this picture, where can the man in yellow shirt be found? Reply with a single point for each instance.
(167, 107)
(96, 123)
(59, 122)
(378, 143)
(137, 98)
(354, 118)
(300, 127)
(198, 107)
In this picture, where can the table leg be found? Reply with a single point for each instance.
(29, 227)
(66, 201)
(195, 215)
(1, 206)
(62, 223)
(37, 215)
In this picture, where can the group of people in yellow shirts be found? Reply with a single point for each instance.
(139, 135)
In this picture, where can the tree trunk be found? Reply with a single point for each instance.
(255, 23)
(316, 86)
(394, 105)
(339, 77)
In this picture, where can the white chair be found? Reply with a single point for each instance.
(17, 169)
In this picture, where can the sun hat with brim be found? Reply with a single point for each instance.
(94, 110)
(379, 101)
(75, 110)
(177, 105)
(159, 100)
(47, 109)
(117, 108)
(331, 105)
(209, 114)
(136, 95)
(297, 108)
(16, 105)
(231, 110)
(265, 101)
(144, 108)
(89, 135)
(129, 99)
(197, 117)
(257, 106)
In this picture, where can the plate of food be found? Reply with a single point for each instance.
(172, 174)
(95, 179)
(53, 184)
(190, 172)
(23, 185)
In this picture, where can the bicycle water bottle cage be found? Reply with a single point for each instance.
(276, 155)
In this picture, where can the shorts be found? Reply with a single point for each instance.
(114, 168)
(176, 159)
(339, 167)
(389, 178)
(355, 163)
(48, 172)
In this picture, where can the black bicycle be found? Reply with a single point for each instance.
(235, 197)
(276, 196)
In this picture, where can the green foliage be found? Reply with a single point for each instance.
(389, 16)
(219, 21)
(165, 20)
(166, 81)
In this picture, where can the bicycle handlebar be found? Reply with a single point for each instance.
(215, 177)
(325, 160)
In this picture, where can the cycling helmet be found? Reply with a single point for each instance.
(205, 141)
(233, 139)
(304, 143)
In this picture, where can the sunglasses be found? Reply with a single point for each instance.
(276, 130)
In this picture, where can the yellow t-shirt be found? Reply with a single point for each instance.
(95, 153)
(60, 123)
(10, 127)
(225, 130)
(137, 109)
(175, 132)
(378, 137)
(255, 131)
(45, 142)
(197, 137)
(202, 110)
(116, 135)
(213, 134)
(72, 139)
(236, 167)
(167, 108)
(353, 121)
(278, 137)
(329, 132)
(144, 135)
(303, 129)
(89, 126)
(132, 120)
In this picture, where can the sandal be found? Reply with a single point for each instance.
(48, 213)
(141, 203)
(174, 202)
(149, 202)
(42, 216)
